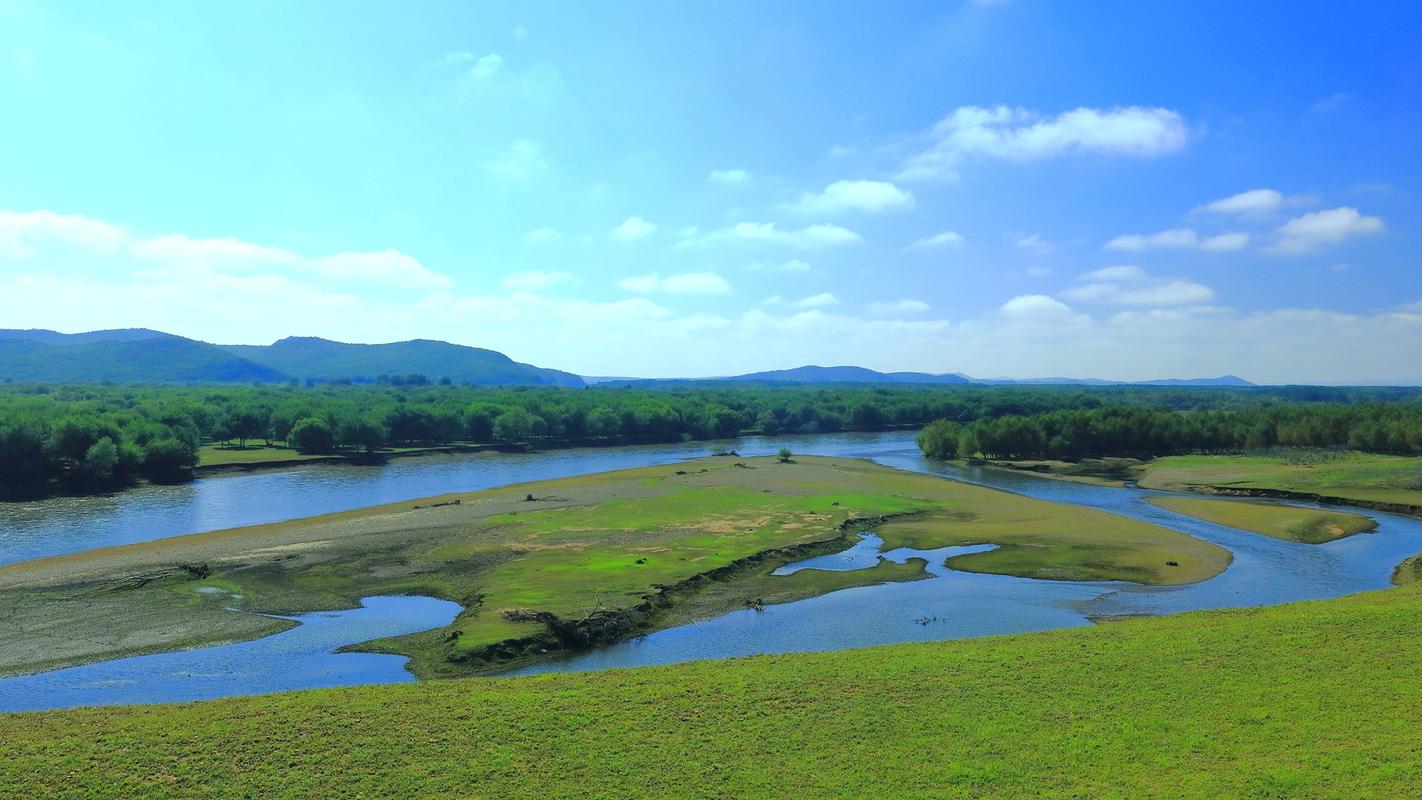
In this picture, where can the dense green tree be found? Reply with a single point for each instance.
(313, 435)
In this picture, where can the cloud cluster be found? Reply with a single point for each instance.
(1180, 239)
(1017, 134)
(1129, 285)
(859, 195)
(24, 234)
(806, 238)
(944, 239)
(632, 229)
(1309, 232)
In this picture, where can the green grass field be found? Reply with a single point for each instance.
(1310, 526)
(578, 562)
(1312, 700)
(213, 455)
(1356, 476)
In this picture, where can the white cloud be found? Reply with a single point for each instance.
(794, 265)
(540, 235)
(1124, 272)
(632, 229)
(1032, 305)
(486, 67)
(1254, 201)
(882, 309)
(1178, 238)
(1225, 242)
(535, 280)
(1320, 228)
(867, 196)
(181, 249)
(1017, 134)
(22, 232)
(1033, 244)
(820, 300)
(944, 239)
(812, 236)
(705, 283)
(729, 177)
(523, 159)
(1132, 286)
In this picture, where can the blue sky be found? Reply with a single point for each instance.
(1121, 190)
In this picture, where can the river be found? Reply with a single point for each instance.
(950, 605)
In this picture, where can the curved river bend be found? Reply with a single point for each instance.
(950, 605)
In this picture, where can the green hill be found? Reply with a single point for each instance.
(139, 355)
(323, 359)
(126, 356)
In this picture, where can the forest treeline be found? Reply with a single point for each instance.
(92, 436)
(1394, 428)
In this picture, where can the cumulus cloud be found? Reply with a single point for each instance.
(26, 234)
(22, 232)
(1035, 305)
(706, 283)
(794, 265)
(809, 237)
(889, 308)
(1129, 285)
(522, 160)
(1017, 134)
(1309, 232)
(535, 280)
(944, 239)
(818, 300)
(632, 229)
(1123, 272)
(1179, 239)
(1254, 201)
(1033, 244)
(730, 177)
(540, 235)
(858, 195)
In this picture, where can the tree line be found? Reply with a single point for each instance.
(91, 436)
(1374, 427)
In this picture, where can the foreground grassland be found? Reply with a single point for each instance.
(1307, 525)
(1312, 700)
(587, 560)
(1362, 477)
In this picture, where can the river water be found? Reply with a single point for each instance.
(949, 605)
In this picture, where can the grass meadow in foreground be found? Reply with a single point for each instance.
(1310, 700)
(1307, 525)
(572, 566)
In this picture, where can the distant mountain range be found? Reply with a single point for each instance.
(848, 374)
(818, 374)
(138, 355)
